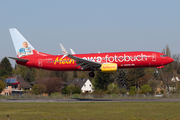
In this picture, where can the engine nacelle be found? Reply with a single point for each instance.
(160, 67)
(109, 67)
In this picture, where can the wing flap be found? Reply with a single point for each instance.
(79, 64)
(84, 66)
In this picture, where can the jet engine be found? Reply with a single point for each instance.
(109, 67)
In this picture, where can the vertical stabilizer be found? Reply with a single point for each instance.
(22, 46)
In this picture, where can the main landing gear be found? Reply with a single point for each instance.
(91, 74)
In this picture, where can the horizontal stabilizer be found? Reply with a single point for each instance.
(19, 59)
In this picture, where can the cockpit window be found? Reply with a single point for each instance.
(163, 55)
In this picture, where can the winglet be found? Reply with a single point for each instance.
(72, 52)
(64, 50)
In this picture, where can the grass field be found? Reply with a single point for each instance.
(91, 111)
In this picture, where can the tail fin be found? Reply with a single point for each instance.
(22, 46)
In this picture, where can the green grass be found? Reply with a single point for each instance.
(91, 111)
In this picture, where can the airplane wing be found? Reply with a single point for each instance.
(19, 59)
(85, 64)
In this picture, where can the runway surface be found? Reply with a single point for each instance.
(93, 100)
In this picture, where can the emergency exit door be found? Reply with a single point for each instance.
(40, 62)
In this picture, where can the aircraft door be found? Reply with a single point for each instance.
(40, 62)
(153, 57)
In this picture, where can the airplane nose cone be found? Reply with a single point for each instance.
(170, 60)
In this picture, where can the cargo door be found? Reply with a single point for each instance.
(153, 57)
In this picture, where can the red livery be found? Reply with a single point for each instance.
(106, 62)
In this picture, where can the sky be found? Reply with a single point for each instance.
(91, 26)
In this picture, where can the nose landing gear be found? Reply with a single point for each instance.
(91, 74)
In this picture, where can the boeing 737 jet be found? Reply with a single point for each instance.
(28, 56)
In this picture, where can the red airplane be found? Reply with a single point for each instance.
(105, 62)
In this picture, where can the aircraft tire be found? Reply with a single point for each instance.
(91, 74)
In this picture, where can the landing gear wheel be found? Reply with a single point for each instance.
(91, 74)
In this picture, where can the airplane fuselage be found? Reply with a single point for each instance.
(106, 62)
(122, 59)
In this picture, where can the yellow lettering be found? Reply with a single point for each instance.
(64, 61)
(69, 62)
(56, 61)
(60, 61)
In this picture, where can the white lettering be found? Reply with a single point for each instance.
(115, 58)
(106, 58)
(85, 58)
(111, 59)
(99, 59)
